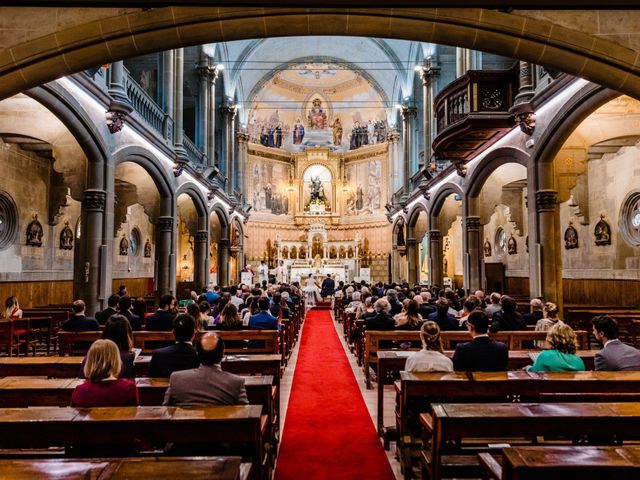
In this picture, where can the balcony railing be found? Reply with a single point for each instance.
(194, 154)
(148, 109)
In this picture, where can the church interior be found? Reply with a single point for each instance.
(219, 154)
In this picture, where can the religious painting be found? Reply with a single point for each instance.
(602, 232)
(124, 246)
(147, 249)
(35, 232)
(570, 237)
(512, 245)
(363, 187)
(487, 247)
(317, 189)
(268, 187)
(66, 238)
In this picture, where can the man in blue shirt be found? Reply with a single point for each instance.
(263, 320)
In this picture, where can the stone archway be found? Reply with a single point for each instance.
(55, 51)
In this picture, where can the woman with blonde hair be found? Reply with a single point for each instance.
(548, 320)
(409, 318)
(561, 357)
(430, 358)
(11, 308)
(102, 387)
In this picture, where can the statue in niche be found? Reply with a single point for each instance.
(570, 237)
(298, 132)
(512, 245)
(35, 232)
(602, 232)
(66, 238)
(124, 246)
(487, 248)
(317, 191)
(317, 117)
(359, 198)
(337, 131)
(147, 249)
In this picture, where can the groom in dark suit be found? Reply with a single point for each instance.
(481, 354)
(328, 287)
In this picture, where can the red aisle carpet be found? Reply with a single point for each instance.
(328, 433)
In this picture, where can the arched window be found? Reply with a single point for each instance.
(8, 221)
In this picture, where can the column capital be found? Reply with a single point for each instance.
(223, 243)
(202, 236)
(472, 222)
(208, 73)
(546, 200)
(428, 73)
(242, 136)
(411, 242)
(408, 112)
(94, 200)
(434, 235)
(393, 136)
(164, 224)
(229, 110)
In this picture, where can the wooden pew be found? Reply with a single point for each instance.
(211, 468)
(239, 428)
(269, 338)
(379, 340)
(394, 361)
(566, 421)
(568, 463)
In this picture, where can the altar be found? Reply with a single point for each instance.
(319, 256)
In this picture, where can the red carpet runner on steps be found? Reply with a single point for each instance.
(328, 433)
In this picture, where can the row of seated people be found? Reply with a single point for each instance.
(194, 369)
(482, 354)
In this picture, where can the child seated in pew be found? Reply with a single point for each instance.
(103, 388)
(562, 355)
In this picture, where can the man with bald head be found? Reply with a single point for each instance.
(208, 384)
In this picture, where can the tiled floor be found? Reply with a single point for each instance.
(370, 396)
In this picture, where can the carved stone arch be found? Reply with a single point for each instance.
(196, 195)
(223, 218)
(495, 159)
(438, 198)
(163, 179)
(415, 213)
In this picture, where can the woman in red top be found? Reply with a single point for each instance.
(103, 388)
(11, 308)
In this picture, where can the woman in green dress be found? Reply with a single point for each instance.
(561, 357)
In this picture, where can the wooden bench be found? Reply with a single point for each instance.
(580, 316)
(376, 340)
(268, 340)
(394, 361)
(518, 423)
(568, 463)
(212, 468)
(239, 429)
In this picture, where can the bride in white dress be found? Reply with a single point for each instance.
(311, 292)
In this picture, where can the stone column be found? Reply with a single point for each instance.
(549, 239)
(243, 158)
(89, 246)
(211, 133)
(522, 110)
(435, 258)
(202, 130)
(223, 262)
(473, 252)
(413, 263)
(428, 74)
(201, 258)
(120, 105)
(164, 255)
(408, 115)
(460, 61)
(168, 88)
(229, 114)
(178, 132)
(393, 137)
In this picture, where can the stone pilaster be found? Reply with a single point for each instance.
(223, 261)
(549, 239)
(408, 116)
(474, 253)
(164, 254)
(201, 259)
(229, 115)
(435, 258)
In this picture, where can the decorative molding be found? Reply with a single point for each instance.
(472, 223)
(434, 235)
(94, 200)
(202, 236)
(546, 200)
(165, 224)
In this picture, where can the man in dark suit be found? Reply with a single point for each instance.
(80, 322)
(263, 320)
(208, 384)
(181, 355)
(615, 355)
(112, 303)
(124, 304)
(392, 298)
(328, 287)
(481, 354)
(382, 320)
(162, 320)
(536, 312)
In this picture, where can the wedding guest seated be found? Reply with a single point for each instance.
(424, 306)
(481, 354)
(392, 298)
(118, 330)
(208, 384)
(179, 356)
(355, 303)
(408, 318)
(263, 320)
(562, 355)
(382, 319)
(124, 306)
(139, 308)
(230, 319)
(367, 310)
(162, 320)
(535, 313)
(431, 358)
(615, 355)
(548, 321)
(79, 322)
(112, 304)
(102, 387)
(508, 318)
(12, 308)
(494, 306)
(445, 320)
